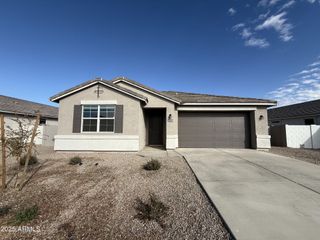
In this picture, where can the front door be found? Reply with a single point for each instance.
(155, 128)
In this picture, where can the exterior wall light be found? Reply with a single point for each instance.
(170, 118)
(261, 117)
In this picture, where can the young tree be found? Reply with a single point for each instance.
(3, 152)
(20, 141)
(18, 138)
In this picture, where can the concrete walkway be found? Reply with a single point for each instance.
(260, 195)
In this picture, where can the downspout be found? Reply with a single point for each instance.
(311, 136)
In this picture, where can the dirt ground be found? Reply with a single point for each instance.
(308, 155)
(96, 200)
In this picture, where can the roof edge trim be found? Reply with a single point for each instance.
(145, 89)
(225, 104)
(55, 99)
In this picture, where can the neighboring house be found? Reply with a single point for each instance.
(124, 115)
(13, 108)
(306, 113)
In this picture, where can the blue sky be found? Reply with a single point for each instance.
(265, 49)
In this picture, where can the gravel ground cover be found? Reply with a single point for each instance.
(96, 200)
(308, 155)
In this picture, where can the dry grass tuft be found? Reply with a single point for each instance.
(152, 210)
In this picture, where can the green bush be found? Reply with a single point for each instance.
(75, 161)
(152, 165)
(26, 215)
(4, 210)
(33, 160)
(152, 210)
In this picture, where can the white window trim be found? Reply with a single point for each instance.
(98, 120)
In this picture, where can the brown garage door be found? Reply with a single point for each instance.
(214, 130)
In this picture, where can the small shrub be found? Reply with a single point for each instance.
(33, 160)
(75, 161)
(26, 215)
(4, 210)
(152, 165)
(152, 210)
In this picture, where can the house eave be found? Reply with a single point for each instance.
(27, 114)
(147, 90)
(56, 99)
(228, 104)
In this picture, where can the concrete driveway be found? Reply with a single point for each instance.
(260, 195)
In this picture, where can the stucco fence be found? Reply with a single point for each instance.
(296, 136)
(46, 135)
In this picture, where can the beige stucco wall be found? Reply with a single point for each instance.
(131, 110)
(259, 129)
(158, 102)
(261, 125)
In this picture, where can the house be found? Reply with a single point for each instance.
(306, 113)
(13, 108)
(124, 115)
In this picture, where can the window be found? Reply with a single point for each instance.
(98, 118)
(42, 121)
(309, 121)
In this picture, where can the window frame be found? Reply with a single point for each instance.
(98, 118)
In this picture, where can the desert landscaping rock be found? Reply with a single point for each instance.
(308, 155)
(97, 201)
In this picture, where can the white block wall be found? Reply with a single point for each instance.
(315, 129)
(302, 136)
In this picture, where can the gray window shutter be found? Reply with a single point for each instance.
(77, 112)
(119, 119)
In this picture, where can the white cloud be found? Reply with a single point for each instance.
(265, 3)
(308, 71)
(305, 87)
(237, 26)
(315, 64)
(263, 16)
(256, 42)
(248, 36)
(232, 11)
(271, 14)
(309, 81)
(287, 5)
(280, 24)
(245, 33)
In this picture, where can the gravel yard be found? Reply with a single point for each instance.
(96, 200)
(308, 155)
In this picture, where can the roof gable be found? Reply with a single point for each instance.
(147, 89)
(90, 83)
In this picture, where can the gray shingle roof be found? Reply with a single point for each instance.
(207, 98)
(24, 107)
(178, 97)
(108, 83)
(310, 108)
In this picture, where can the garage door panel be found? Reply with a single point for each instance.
(214, 129)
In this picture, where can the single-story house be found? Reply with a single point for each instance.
(14, 108)
(306, 113)
(124, 115)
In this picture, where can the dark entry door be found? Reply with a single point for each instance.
(155, 130)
